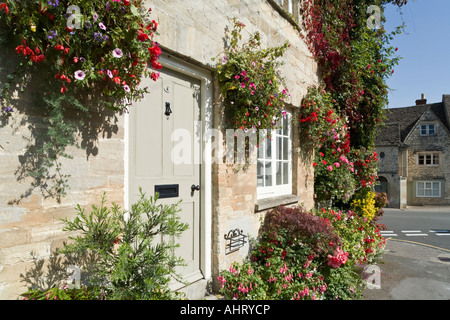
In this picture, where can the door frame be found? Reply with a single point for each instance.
(206, 113)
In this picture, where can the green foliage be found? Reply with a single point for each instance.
(132, 253)
(65, 293)
(251, 83)
(355, 61)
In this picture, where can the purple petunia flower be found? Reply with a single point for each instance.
(52, 34)
(102, 26)
(8, 109)
(98, 36)
(127, 88)
(53, 3)
(117, 53)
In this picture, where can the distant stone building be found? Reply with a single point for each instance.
(135, 150)
(414, 152)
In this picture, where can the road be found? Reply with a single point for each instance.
(416, 265)
(428, 226)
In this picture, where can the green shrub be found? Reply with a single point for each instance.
(131, 253)
(64, 293)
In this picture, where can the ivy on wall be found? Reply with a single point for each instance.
(355, 60)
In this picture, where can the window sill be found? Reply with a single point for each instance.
(285, 14)
(269, 203)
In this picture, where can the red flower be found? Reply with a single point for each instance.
(153, 25)
(4, 6)
(142, 36)
(126, 2)
(42, 8)
(154, 76)
(156, 65)
(155, 51)
(59, 47)
(63, 89)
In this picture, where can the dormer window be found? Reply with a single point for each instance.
(427, 129)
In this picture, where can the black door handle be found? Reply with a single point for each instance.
(195, 188)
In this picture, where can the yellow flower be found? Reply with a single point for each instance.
(33, 28)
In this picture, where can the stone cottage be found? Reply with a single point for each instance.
(414, 152)
(122, 153)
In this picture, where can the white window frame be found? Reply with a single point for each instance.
(425, 129)
(287, 4)
(273, 190)
(433, 156)
(428, 186)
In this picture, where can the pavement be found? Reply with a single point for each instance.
(411, 271)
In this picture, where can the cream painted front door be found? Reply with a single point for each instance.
(165, 147)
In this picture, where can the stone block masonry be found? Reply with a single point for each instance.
(30, 220)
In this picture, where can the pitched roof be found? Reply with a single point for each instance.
(400, 121)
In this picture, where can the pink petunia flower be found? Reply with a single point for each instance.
(79, 75)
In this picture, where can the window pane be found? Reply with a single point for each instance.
(285, 127)
(431, 129)
(269, 148)
(436, 158)
(260, 174)
(428, 159)
(424, 130)
(285, 148)
(279, 173)
(279, 148)
(428, 192)
(268, 174)
(421, 159)
(420, 189)
(286, 173)
(427, 185)
(436, 192)
(261, 149)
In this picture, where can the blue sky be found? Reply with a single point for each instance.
(424, 47)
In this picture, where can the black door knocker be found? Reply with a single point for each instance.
(168, 110)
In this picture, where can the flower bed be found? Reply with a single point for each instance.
(304, 255)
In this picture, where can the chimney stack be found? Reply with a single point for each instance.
(422, 101)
